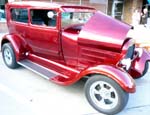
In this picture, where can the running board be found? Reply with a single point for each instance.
(42, 71)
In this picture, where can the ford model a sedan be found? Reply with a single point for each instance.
(64, 43)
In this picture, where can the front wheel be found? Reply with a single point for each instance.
(9, 56)
(105, 95)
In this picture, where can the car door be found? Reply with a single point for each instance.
(44, 39)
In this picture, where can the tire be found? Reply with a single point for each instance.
(105, 95)
(9, 56)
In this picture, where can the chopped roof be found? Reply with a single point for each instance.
(35, 4)
(47, 5)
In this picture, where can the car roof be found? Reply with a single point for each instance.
(28, 4)
(34, 4)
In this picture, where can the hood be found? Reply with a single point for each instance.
(104, 31)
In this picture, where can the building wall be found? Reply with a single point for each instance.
(98, 6)
(109, 10)
(127, 14)
(101, 7)
(3, 27)
(129, 6)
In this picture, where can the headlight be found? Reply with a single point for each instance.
(140, 51)
(126, 63)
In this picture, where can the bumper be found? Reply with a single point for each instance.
(138, 66)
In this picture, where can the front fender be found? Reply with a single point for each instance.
(138, 64)
(121, 77)
(18, 44)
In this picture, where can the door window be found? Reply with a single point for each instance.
(43, 17)
(19, 15)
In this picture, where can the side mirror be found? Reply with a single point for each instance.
(50, 14)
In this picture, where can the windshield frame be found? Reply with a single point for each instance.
(74, 9)
(74, 18)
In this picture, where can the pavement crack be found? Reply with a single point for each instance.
(136, 107)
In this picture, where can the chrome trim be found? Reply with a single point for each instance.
(126, 63)
(140, 51)
(106, 92)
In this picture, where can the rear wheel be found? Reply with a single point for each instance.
(9, 56)
(105, 95)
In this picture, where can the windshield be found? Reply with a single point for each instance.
(71, 18)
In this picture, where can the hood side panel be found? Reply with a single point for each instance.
(100, 40)
(104, 31)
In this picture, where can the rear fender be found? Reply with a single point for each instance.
(18, 45)
(121, 77)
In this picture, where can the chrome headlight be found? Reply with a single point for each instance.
(126, 62)
(140, 51)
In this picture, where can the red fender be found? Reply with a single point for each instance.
(138, 65)
(17, 43)
(120, 76)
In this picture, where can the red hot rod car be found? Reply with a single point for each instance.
(64, 43)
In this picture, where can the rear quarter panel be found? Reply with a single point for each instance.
(19, 45)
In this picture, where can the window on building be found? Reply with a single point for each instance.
(43, 17)
(19, 15)
(115, 8)
(2, 10)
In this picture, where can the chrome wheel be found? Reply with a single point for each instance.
(8, 56)
(103, 95)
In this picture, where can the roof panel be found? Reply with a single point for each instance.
(48, 5)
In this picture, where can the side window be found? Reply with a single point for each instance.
(19, 15)
(43, 17)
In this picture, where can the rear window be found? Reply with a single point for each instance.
(19, 15)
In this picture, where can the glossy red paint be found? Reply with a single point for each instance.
(103, 29)
(67, 75)
(115, 73)
(138, 65)
(96, 47)
(102, 34)
(18, 44)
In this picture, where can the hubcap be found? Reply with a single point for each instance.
(103, 95)
(7, 56)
